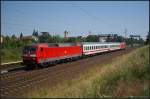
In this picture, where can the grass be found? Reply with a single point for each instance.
(126, 76)
(9, 55)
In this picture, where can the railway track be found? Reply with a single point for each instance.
(17, 83)
(11, 66)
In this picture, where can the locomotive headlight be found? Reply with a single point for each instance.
(33, 58)
(32, 55)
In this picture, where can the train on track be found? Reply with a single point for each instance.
(44, 53)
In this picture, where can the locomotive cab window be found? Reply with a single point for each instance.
(29, 49)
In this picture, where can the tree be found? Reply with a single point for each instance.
(7, 42)
(36, 33)
(33, 32)
(45, 37)
(21, 35)
(65, 33)
(56, 39)
(92, 38)
(119, 39)
(13, 37)
(147, 39)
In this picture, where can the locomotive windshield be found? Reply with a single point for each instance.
(29, 49)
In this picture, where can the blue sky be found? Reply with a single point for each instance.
(78, 17)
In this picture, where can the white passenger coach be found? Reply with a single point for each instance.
(97, 47)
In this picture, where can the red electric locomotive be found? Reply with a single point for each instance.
(45, 53)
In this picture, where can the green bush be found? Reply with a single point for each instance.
(9, 55)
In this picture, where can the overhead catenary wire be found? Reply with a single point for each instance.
(92, 16)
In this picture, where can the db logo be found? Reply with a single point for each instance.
(65, 51)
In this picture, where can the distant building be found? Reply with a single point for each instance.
(28, 38)
(74, 37)
(45, 33)
(104, 37)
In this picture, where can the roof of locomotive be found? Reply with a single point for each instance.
(70, 44)
(53, 44)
